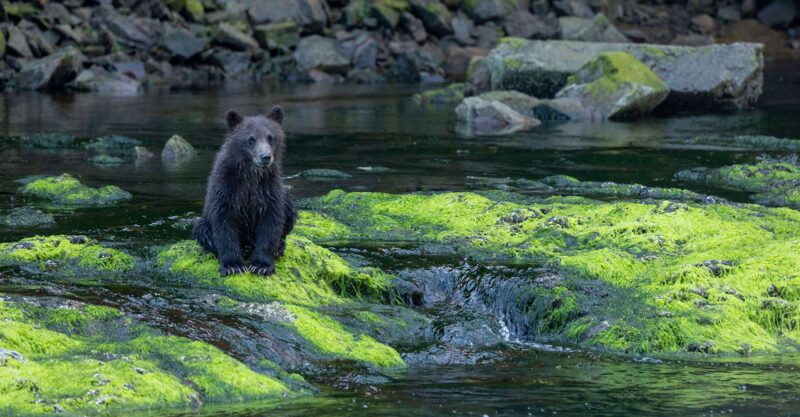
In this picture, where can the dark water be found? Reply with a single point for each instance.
(350, 128)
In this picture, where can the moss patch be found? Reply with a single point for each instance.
(677, 276)
(67, 190)
(82, 359)
(774, 182)
(67, 255)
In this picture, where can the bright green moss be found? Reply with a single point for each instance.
(774, 182)
(314, 225)
(330, 337)
(64, 254)
(306, 274)
(609, 71)
(453, 93)
(677, 276)
(66, 189)
(80, 370)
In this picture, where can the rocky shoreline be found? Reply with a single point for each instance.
(126, 46)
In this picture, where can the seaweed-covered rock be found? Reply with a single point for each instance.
(714, 76)
(65, 255)
(26, 217)
(491, 117)
(80, 359)
(615, 85)
(67, 190)
(573, 186)
(775, 182)
(306, 278)
(648, 277)
(453, 93)
(105, 159)
(113, 143)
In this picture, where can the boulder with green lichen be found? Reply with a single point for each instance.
(79, 359)
(714, 76)
(615, 85)
(646, 277)
(774, 182)
(67, 190)
(453, 93)
(280, 36)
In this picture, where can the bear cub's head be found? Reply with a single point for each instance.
(256, 140)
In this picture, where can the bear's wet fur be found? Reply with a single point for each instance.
(248, 212)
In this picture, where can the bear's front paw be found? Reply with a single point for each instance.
(230, 269)
(262, 268)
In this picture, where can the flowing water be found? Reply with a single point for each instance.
(387, 143)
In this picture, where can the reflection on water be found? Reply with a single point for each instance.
(349, 127)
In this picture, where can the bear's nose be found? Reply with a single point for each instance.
(266, 158)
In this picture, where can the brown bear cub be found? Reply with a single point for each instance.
(247, 212)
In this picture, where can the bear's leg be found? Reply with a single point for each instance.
(290, 218)
(203, 235)
(267, 237)
(226, 242)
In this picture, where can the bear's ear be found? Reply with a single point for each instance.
(276, 114)
(234, 118)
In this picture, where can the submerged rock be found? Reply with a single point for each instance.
(627, 274)
(323, 174)
(775, 182)
(67, 190)
(48, 140)
(572, 186)
(113, 143)
(105, 159)
(615, 85)
(758, 142)
(26, 217)
(176, 149)
(102, 81)
(558, 109)
(492, 117)
(714, 76)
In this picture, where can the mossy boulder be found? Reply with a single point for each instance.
(453, 93)
(615, 85)
(113, 143)
(774, 182)
(48, 140)
(66, 255)
(68, 191)
(434, 15)
(77, 359)
(646, 277)
(708, 77)
(280, 36)
(307, 278)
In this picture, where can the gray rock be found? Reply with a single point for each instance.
(16, 43)
(488, 35)
(141, 153)
(462, 29)
(616, 85)
(714, 76)
(414, 27)
(281, 36)
(235, 38)
(323, 173)
(232, 62)
(176, 149)
(311, 14)
(559, 109)
(99, 80)
(134, 69)
(104, 159)
(434, 15)
(778, 14)
(317, 52)
(491, 117)
(578, 8)
(522, 24)
(52, 71)
(597, 29)
(483, 10)
(479, 75)
(182, 42)
(68, 32)
(693, 39)
(124, 28)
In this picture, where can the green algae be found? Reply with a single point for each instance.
(774, 182)
(676, 276)
(757, 142)
(67, 190)
(564, 183)
(68, 360)
(307, 278)
(67, 255)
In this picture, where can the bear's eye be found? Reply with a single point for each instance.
(252, 140)
(270, 138)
